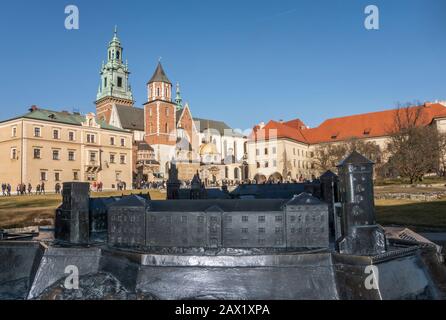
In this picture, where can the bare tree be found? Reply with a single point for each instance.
(414, 145)
(328, 156)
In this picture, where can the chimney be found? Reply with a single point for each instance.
(262, 125)
(33, 108)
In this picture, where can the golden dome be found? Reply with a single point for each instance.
(208, 148)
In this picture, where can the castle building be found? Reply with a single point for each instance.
(51, 147)
(285, 150)
(168, 127)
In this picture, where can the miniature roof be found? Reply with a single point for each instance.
(355, 158)
(304, 199)
(130, 201)
(328, 174)
(226, 205)
(159, 75)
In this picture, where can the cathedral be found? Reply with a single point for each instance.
(164, 129)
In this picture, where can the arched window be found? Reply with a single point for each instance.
(167, 128)
(117, 55)
(226, 172)
(158, 91)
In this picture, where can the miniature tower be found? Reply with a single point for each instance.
(72, 217)
(329, 193)
(173, 184)
(360, 233)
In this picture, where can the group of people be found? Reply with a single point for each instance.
(151, 185)
(97, 186)
(23, 189)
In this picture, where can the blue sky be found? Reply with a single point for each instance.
(238, 61)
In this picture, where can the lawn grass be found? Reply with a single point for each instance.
(22, 211)
(409, 213)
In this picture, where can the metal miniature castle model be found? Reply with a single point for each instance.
(194, 248)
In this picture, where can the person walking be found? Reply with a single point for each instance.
(38, 189)
(30, 188)
(4, 189)
(42, 187)
(8, 189)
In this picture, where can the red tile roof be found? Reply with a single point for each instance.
(367, 125)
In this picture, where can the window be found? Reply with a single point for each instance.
(150, 112)
(112, 158)
(278, 230)
(36, 153)
(257, 152)
(122, 142)
(167, 111)
(258, 165)
(157, 91)
(55, 154)
(92, 156)
(294, 151)
(119, 80)
(112, 141)
(274, 163)
(90, 138)
(56, 176)
(274, 150)
(56, 134)
(13, 153)
(105, 82)
(70, 155)
(266, 164)
(261, 230)
(36, 132)
(278, 218)
(244, 230)
(266, 151)
(244, 218)
(71, 136)
(43, 175)
(118, 176)
(261, 218)
(14, 131)
(75, 175)
(122, 159)
(183, 219)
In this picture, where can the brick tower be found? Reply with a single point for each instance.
(114, 87)
(160, 118)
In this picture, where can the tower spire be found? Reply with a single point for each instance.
(178, 99)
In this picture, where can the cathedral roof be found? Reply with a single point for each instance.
(159, 75)
(131, 118)
(219, 126)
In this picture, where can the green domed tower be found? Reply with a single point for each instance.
(114, 87)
